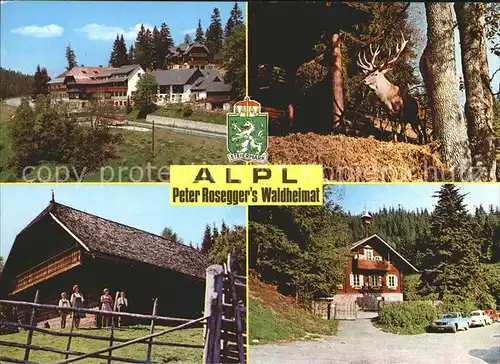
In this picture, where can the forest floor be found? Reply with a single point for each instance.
(133, 154)
(160, 354)
(277, 318)
(353, 159)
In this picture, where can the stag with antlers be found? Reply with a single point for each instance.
(400, 105)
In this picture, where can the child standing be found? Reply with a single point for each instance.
(63, 303)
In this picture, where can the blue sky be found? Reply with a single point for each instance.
(354, 197)
(35, 32)
(144, 207)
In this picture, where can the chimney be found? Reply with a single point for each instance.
(53, 197)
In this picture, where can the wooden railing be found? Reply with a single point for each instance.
(373, 264)
(58, 264)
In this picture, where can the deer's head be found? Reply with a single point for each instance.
(375, 73)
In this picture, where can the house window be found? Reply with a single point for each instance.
(392, 281)
(375, 281)
(356, 280)
(368, 254)
(164, 89)
(178, 89)
(378, 257)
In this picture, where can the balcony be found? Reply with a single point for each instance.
(58, 264)
(381, 265)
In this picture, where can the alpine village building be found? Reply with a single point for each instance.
(374, 274)
(63, 246)
(188, 78)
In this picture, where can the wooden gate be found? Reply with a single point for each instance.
(225, 304)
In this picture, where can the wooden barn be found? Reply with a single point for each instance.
(64, 246)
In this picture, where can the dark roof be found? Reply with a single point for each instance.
(174, 77)
(209, 83)
(111, 238)
(375, 236)
(124, 69)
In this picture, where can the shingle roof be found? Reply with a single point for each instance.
(111, 238)
(174, 76)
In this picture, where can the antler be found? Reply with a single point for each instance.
(399, 50)
(364, 64)
(371, 66)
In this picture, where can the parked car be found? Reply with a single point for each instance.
(494, 316)
(480, 318)
(451, 321)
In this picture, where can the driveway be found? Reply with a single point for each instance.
(359, 342)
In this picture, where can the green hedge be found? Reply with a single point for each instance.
(409, 317)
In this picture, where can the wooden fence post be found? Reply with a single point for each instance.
(210, 295)
(237, 318)
(111, 335)
(150, 345)
(68, 346)
(30, 333)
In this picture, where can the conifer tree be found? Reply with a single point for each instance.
(119, 56)
(214, 35)
(235, 19)
(166, 42)
(40, 80)
(200, 34)
(215, 233)
(70, 57)
(451, 255)
(224, 229)
(131, 54)
(156, 49)
(188, 39)
(207, 240)
(142, 48)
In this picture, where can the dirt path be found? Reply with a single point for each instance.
(359, 342)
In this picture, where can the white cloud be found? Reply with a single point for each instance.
(189, 31)
(45, 31)
(108, 32)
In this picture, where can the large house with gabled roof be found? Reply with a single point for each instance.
(64, 246)
(183, 85)
(188, 55)
(115, 85)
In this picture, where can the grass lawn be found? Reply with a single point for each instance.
(161, 354)
(197, 115)
(276, 318)
(132, 156)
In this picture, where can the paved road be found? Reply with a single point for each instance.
(359, 342)
(15, 101)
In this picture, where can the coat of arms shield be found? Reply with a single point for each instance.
(247, 129)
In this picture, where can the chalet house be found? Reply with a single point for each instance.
(193, 85)
(64, 246)
(374, 272)
(81, 84)
(187, 55)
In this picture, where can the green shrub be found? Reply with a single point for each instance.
(187, 111)
(409, 317)
(465, 307)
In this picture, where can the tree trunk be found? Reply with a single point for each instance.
(437, 66)
(479, 98)
(337, 83)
